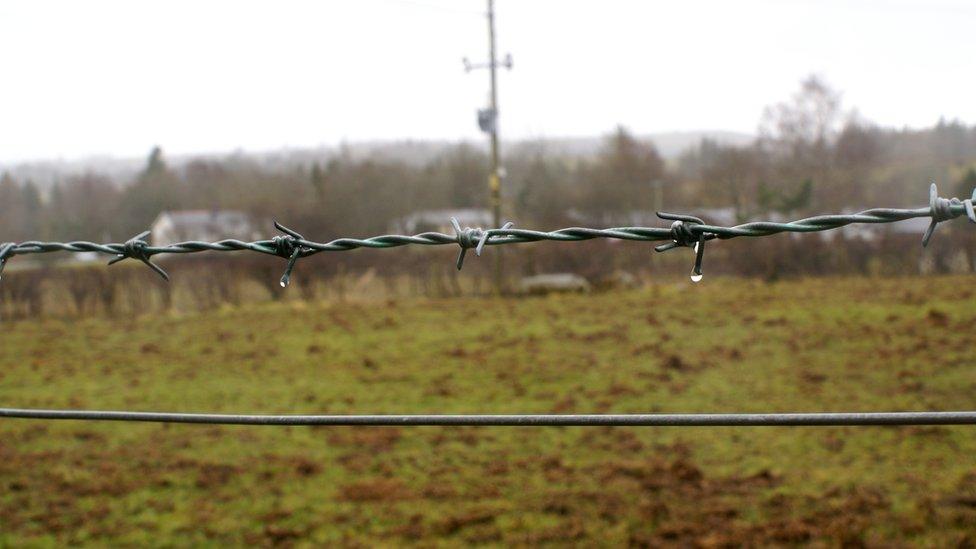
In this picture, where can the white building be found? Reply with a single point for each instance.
(206, 225)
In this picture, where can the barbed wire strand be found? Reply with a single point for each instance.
(518, 420)
(685, 231)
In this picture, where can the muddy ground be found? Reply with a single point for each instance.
(720, 346)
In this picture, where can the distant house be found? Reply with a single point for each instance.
(440, 220)
(206, 225)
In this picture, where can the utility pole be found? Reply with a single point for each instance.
(488, 122)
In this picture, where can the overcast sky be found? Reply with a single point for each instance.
(115, 77)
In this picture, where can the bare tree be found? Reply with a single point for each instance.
(810, 118)
(736, 172)
(620, 178)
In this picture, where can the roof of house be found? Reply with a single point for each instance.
(204, 217)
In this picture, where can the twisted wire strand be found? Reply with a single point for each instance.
(684, 231)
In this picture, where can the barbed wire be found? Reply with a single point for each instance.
(685, 231)
(517, 420)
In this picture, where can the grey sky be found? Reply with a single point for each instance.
(116, 77)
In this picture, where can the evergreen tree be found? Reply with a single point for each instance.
(318, 181)
(156, 190)
(156, 165)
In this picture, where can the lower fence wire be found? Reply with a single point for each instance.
(519, 420)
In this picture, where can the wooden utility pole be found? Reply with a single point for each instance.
(494, 177)
(488, 122)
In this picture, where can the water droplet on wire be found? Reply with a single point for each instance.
(696, 277)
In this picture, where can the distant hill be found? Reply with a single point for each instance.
(669, 144)
(122, 170)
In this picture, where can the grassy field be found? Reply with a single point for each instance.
(720, 346)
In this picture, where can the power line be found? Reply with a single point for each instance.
(685, 231)
(518, 420)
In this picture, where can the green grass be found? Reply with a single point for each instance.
(720, 346)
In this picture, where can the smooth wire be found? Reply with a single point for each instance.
(518, 420)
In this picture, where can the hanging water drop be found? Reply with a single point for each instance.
(282, 282)
(696, 277)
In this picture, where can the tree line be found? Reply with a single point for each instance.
(810, 156)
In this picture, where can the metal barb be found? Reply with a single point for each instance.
(936, 205)
(476, 238)
(466, 238)
(683, 235)
(288, 247)
(137, 248)
(941, 210)
(486, 235)
(6, 252)
(968, 203)
(696, 272)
